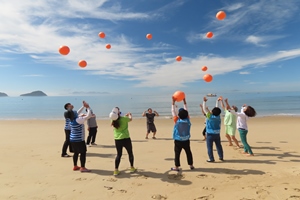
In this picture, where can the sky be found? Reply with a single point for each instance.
(254, 49)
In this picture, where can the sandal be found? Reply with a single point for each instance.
(175, 169)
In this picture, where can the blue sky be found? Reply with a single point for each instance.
(256, 48)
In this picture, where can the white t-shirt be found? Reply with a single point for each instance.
(241, 120)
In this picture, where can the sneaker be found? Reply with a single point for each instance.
(94, 144)
(132, 170)
(116, 172)
(192, 167)
(83, 169)
(175, 169)
(153, 137)
(210, 161)
(65, 156)
(75, 168)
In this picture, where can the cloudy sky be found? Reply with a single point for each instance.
(256, 48)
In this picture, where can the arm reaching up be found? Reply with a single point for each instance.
(173, 107)
(202, 109)
(156, 113)
(204, 104)
(184, 104)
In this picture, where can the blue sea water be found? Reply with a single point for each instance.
(266, 104)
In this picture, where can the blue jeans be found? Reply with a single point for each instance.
(210, 139)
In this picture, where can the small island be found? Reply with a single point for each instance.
(3, 94)
(34, 94)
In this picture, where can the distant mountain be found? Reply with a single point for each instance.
(3, 94)
(35, 94)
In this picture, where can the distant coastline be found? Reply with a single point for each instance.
(34, 94)
(3, 94)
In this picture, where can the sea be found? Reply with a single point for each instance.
(52, 107)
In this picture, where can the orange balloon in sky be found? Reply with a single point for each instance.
(204, 68)
(178, 96)
(221, 15)
(64, 50)
(209, 34)
(178, 58)
(207, 78)
(82, 63)
(101, 35)
(108, 46)
(149, 36)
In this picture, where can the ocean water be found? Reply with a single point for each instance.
(266, 104)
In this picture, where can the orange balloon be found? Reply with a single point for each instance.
(207, 78)
(82, 63)
(221, 15)
(149, 36)
(101, 35)
(108, 46)
(64, 50)
(178, 96)
(204, 68)
(178, 58)
(209, 34)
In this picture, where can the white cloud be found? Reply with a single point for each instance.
(244, 73)
(262, 40)
(33, 75)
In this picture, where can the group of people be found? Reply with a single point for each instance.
(75, 131)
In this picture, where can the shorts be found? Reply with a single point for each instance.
(151, 128)
(79, 147)
(230, 130)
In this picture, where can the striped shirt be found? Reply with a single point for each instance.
(77, 127)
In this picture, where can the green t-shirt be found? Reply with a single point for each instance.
(229, 119)
(122, 132)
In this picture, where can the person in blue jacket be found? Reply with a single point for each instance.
(181, 135)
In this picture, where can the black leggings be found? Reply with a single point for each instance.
(79, 148)
(179, 145)
(119, 146)
(204, 131)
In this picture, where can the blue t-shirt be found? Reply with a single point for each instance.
(213, 124)
(181, 131)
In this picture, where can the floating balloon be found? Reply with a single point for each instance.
(108, 46)
(178, 58)
(149, 36)
(178, 96)
(82, 63)
(209, 34)
(101, 35)
(221, 15)
(64, 50)
(204, 68)
(207, 78)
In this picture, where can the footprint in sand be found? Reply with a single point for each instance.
(234, 177)
(207, 188)
(208, 197)
(80, 179)
(294, 197)
(108, 187)
(246, 199)
(159, 197)
(112, 180)
(123, 191)
(201, 176)
(176, 176)
(142, 176)
(262, 194)
(297, 189)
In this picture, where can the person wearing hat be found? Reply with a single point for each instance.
(122, 138)
(77, 136)
(181, 135)
(150, 122)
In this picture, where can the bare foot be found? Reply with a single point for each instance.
(230, 145)
(250, 154)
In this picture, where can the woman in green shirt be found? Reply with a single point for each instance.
(122, 138)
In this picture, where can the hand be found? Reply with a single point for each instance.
(244, 105)
(220, 98)
(173, 98)
(205, 99)
(226, 100)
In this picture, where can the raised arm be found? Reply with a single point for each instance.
(129, 115)
(184, 104)
(173, 107)
(204, 104)
(222, 104)
(81, 120)
(156, 113)
(227, 104)
(144, 113)
(202, 110)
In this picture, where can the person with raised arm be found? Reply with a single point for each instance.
(150, 122)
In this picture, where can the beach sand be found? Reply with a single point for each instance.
(32, 168)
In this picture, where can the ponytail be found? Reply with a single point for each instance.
(116, 123)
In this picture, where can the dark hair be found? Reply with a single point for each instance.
(250, 112)
(70, 114)
(216, 111)
(149, 109)
(66, 106)
(183, 114)
(235, 108)
(116, 123)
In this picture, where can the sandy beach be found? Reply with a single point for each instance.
(32, 168)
